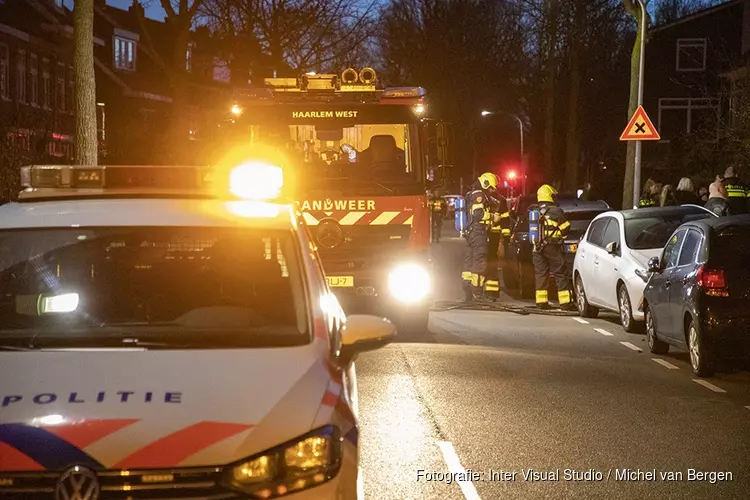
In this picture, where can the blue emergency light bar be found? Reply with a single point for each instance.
(115, 177)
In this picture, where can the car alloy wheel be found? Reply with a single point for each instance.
(626, 318)
(700, 358)
(655, 345)
(580, 296)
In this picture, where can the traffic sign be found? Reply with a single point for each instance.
(640, 128)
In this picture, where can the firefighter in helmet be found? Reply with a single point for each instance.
(548, 228)
(479, 202)
(498, 231)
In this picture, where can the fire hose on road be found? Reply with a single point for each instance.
(524, 310)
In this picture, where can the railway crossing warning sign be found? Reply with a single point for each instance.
(640, 128)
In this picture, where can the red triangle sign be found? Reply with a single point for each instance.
(640, 128)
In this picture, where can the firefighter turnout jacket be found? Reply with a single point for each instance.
(553, 226)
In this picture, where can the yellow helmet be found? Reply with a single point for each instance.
(546, 194)
(489, 180)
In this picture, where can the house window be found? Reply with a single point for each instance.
(34, 80)
(189, 57)
(124, 53)
(60, 87)
(4, 72)
(679, 116)
(46, 85)
(691, 54)
(71, 90)
(21, 77)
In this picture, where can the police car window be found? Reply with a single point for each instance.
(690, 249)
(209, 280)
(672, 249)
(612, 232)
(596, 232)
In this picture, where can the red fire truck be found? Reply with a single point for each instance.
(367, 163)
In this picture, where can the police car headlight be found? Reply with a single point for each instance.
(409, 283)
(291, 467)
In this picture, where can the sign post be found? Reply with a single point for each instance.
(640, 128)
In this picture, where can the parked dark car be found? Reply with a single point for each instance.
(698, 294)
(518, 270)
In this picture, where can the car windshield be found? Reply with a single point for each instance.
(648, 233)
(208, 283)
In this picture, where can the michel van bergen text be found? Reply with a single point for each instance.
(554, 475)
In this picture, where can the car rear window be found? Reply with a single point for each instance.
(644, 233)
(186, 278)
(732, 249)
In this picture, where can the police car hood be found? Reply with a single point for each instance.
(129, 409)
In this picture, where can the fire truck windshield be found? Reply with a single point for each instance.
(360, 159)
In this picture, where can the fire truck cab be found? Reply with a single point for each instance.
(368, 162)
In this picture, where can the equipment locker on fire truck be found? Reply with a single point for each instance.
(365, 159)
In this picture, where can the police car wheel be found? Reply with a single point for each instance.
(585, 309)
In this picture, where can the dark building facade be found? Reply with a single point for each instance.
(135, 67)
(685, 92)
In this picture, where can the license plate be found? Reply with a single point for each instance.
(340, 281)
(572, 247)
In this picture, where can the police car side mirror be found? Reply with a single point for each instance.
(363, 333)
(654, 265)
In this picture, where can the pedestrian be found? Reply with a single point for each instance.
(479, 201)
(650, 194)
(703, 194)
(685, 193)
(548, 254)
(737, 191)
(717, 199)
(667, 198)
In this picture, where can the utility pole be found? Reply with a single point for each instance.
(639, 144)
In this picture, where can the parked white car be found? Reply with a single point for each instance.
(610, 269)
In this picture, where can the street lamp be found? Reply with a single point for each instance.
(639, 144)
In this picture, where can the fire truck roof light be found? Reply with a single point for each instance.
(397, 92)
(256, 181)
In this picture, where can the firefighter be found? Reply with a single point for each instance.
(499, 229)
(548, 256)
(438, 209)
(479, 201)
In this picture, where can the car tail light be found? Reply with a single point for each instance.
(713, 281)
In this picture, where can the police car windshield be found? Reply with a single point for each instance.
(198, 279)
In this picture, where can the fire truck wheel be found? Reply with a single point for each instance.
(412, 323)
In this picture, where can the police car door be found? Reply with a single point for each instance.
(610, 264)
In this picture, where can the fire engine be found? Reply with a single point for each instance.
(367, 162)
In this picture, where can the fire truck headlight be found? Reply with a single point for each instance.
(409, 283)
(256, 181)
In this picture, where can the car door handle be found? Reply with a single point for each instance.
(667, 284)
(596, 262)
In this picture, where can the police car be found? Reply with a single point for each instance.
(166, 337)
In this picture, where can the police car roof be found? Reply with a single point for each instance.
(146, 212)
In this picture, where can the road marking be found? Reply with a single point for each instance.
(454, 466)
(581, 321)
(604, 332)
(665, 364)
(632, 346)
(708, 385)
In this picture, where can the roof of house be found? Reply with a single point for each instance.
(696, 15)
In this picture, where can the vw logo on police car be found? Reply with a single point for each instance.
(330, 234)
(77, 483)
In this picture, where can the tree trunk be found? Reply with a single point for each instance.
(635, 61)
(573, 136)
(85, 82)
(549, 88)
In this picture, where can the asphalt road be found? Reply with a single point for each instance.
(501, 394)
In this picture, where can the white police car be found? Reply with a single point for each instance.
(160, 338)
